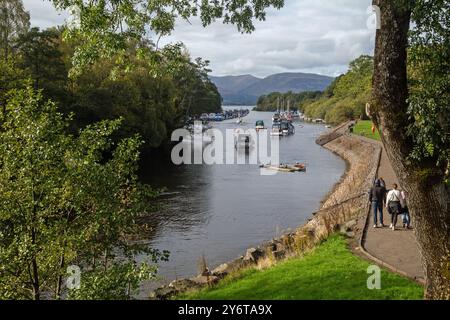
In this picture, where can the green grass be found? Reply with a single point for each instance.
(364, 128)
(330, 271)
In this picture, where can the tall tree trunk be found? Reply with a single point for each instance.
(36, 288)
(428, 197)
(34, 264)
(35, 270)
(59, 280)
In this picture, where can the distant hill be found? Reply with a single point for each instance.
(246, 89)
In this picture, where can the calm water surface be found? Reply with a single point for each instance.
(219, 211)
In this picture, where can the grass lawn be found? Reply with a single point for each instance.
(364, 128)
(330, 271)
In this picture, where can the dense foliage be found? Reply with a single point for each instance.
(69, 149)
(14, 21)
(154, 96)
(429, 79)
(63, 203)
(347, 96)
(275, 100)
(68, 190)
(106, 26)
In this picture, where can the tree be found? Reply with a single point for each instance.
(11, 77)
(346, 97)
(196, 93)
(276, 100)
(14, 21)
(153, 97)
(42, 59)
(102, 23)
(107, 26)
(68, 200)
(399, 115)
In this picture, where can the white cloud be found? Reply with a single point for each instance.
(320, 36)
(43, 14)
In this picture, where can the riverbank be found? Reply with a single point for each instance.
(219, 211)
(338, 264)
(340, 211)
(342, 277)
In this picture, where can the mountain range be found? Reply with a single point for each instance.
(246, 89)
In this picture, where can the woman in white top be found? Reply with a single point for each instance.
(393, 205)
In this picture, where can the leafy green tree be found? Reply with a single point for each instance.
(153, 97)
(11, 77)
(102, 25)
(357, 81)
(347, 95)
(275, 100)
(42, 59)
(107, 26)
(195, 91)
(14, 21)
(62, 202)
(413, 118)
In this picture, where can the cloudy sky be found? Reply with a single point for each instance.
(319, 36)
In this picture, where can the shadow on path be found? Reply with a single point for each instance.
(397, 248)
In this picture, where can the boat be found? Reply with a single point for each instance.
(239, 120)
(198, 131)
(298, 167)
(218, 117)
(276, 129)
(287, 128)
(276, 117)
(289, 117)
(259, 125)
(284, 128)
(291, 128)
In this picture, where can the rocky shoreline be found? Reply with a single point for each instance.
(341, 211)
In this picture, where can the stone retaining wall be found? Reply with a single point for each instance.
(341, 211)
(363, 158)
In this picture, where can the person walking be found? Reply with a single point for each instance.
(382, 183)
(377, 197)
(393, 205)
(405, 211)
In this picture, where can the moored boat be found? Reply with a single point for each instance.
(260, 125)
(276, 129)
(276, 117)
(298, 167)
(287, 128)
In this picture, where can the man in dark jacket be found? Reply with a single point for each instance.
(377, 196)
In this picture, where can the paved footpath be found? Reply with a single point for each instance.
(397, 248)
